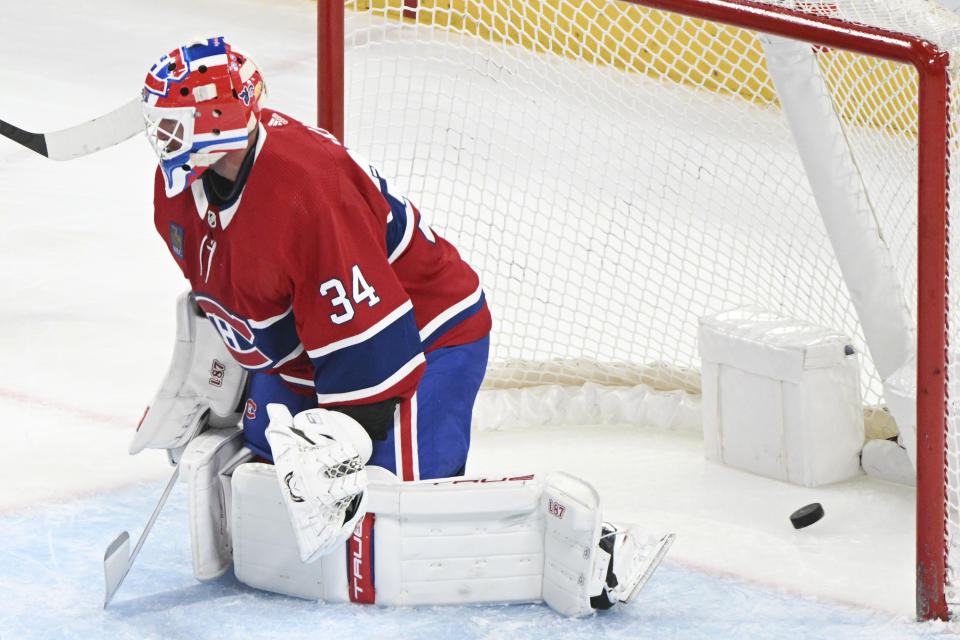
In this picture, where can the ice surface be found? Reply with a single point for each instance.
(51, 588)
(86, 326)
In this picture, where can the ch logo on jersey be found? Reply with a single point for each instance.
(236, 334)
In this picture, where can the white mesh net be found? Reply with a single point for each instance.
(616, 173)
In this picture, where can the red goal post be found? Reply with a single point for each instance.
(932, 172)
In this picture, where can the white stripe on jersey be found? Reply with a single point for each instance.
(359, 394)
(398, 441)
(392, 317)
(365, 165)
(300, 381)
(408, 436)
(413, 437)
(263, 324)
(199, 198)
(293, 354)
(437, 322)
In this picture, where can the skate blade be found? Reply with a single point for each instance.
(653, 561)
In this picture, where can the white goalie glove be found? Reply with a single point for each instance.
(319, 458)
(203, 386)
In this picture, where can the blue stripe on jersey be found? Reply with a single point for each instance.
(280, 340)
(397, 225)
(396, 228)
(368, 363)
(454, 320)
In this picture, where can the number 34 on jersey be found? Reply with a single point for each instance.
(343, 300)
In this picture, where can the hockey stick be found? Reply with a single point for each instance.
(117, 559)
(82, 139)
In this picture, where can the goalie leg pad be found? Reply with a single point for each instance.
(591, 564)
(265, 551)
(205, 465)
(575, 567)
(452, 541)
(457, 540)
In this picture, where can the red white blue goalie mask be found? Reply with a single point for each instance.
(199, 102)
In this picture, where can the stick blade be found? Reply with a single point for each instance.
(101, 132)
(116, 563)
(85, 138)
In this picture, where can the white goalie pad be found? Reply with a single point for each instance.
(205, 466)
(203, 386)
(572, 570)
(455, 541)
(265, 551)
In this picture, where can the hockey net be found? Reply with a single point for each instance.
(616, 172)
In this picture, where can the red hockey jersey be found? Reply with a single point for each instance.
(318, 273)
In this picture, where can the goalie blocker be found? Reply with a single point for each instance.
(514, 539)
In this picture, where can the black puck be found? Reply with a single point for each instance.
(806, 516)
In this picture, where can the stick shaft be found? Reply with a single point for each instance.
(156, 511)
(112, 589)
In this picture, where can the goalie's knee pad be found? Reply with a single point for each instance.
(265, 551)
(206, 465)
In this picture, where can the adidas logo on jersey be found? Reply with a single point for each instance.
(276, 120)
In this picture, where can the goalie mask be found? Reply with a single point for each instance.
(199, 102)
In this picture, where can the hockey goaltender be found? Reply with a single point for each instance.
(328, 355)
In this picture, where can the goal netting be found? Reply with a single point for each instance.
(616, 172)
